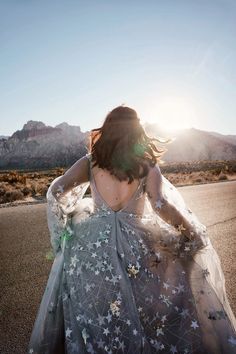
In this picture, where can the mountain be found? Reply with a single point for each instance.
(195, 144)
(38, 146)
(228, 138)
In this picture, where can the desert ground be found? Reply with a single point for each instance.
(24, 186)
(25, 261)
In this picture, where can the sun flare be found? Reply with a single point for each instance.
(170, 112)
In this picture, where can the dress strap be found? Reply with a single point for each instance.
(144, 183)
(89, 157)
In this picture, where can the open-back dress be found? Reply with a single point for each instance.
(127, 281)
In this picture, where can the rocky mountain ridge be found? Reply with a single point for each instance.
(38, 146)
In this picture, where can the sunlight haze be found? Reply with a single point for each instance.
(170, 112)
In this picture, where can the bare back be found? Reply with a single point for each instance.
(114, 192)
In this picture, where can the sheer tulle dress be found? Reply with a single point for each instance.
(127, 281)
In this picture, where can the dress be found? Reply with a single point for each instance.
(129, 282)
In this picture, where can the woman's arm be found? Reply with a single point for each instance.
(167, 211)
(77, 174)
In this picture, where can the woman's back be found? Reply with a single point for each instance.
(115, 193)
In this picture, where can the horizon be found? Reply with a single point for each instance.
(166, 130)
(174, 63)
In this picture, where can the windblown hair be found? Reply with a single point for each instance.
(122, 146)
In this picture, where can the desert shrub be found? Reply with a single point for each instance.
(12, 195)
(217, 171)
(39, 188)
(42, 190)
(33, 190)
(60, 170)
(222, 177)
(13, 177)
(26, 190)
(198, 180)
(2, 191)
(233, 168)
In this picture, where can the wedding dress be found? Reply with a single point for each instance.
(127, 281)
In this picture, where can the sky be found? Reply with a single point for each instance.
(173, 61)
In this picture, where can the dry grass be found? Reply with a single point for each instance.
(33, 185)
(19, 185)
(199, 172)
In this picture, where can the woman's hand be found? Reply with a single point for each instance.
(171, 215)
(167, 211)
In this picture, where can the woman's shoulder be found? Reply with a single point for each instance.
(82, 161)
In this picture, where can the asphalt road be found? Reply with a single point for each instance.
(24, 243)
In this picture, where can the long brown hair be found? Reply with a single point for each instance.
(122, 146)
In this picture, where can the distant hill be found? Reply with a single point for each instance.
(228, 138)
(195, 145)
(38, 146)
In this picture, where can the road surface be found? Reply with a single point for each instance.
(25, 268)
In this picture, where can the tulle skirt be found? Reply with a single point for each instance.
(122, 283)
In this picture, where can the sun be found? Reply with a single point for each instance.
(170, 112)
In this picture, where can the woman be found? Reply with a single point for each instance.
(134, 269)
